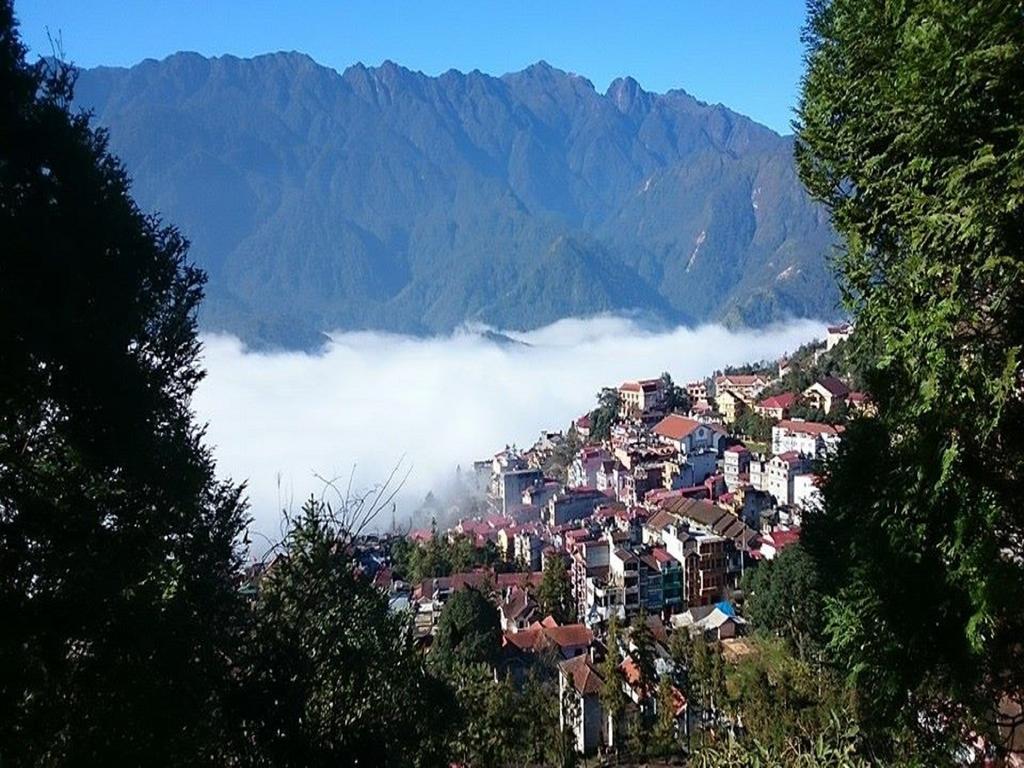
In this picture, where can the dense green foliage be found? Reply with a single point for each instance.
(330, 674)
(468, 631)
(836, 746)
(554, 595)
(753, 426)
(418, 203)
(605, 415)
(811, 362)
(442, 555)
(502, 724)
(911, 130)
(784, 598)
(779, 698)
(613, 697)
(439, 556)
(643, 652)
(706, 678)
(676, 398)
(117, 544)
(664, 736)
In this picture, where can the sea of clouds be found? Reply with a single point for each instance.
(370, 401)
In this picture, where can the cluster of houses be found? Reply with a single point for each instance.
(659, 520)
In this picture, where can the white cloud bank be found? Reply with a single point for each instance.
(277, 418)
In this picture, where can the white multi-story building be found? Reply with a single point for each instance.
(758, 470)
(836, 333)
(782, 469)
(736, 465)
(806, 493)
(810, 438)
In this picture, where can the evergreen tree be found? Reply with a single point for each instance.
(613, 697)
(700, 678)
(911, 130)
(676, 398)
(783, 597)
(468, 631)
(330, 673)
(643, 653)
(663, 737)
(681, 651)
(555, 592)
(118, 547)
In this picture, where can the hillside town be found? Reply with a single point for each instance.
(617, 543)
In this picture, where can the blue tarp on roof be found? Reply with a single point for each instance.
(726, 607)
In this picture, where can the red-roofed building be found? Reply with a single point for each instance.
(776, 407)
(439, 589)
(776, 541)
(568, 640)
(421, 535)
(687, 435)
(580, 679)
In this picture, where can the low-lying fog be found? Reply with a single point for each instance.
(279, 419)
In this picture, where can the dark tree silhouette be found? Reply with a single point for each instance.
(117, 544)
(468, 631)
(911, 131)
(331, 674)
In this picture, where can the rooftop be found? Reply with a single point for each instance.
(808, 427)
(584, 675)
(675, 427)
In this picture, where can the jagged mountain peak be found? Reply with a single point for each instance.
(385, 198)
(628, 96)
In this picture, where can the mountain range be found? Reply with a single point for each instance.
(382, 198)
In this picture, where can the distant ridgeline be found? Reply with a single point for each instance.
(382, 198)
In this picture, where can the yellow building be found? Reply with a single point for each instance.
(730, 405)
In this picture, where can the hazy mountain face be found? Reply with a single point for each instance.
(382, 198)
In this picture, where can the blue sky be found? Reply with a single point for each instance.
(746, 55)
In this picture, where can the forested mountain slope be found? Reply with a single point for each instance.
(383, 198)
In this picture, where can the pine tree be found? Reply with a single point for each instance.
(330, 675)
(643, 653)
(613, 697)
(555, 592)
(665, 741)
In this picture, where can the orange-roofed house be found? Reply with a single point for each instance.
(688, 435)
